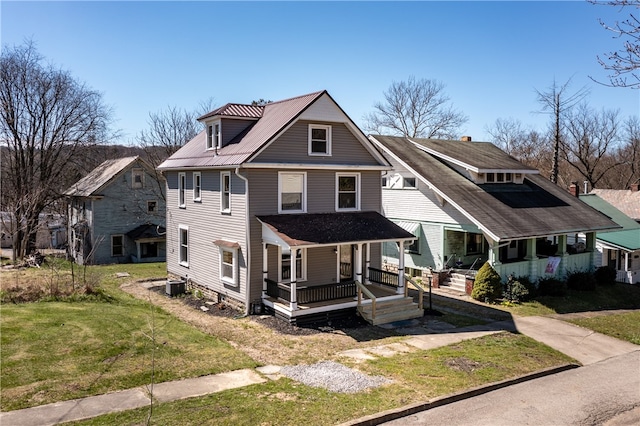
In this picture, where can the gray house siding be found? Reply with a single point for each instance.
(206, 224)
(292, 147)
(232, 128)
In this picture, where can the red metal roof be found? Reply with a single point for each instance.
(236, 110)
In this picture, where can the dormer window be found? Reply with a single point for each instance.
(319, 139)
(214, 138)
(499, 177)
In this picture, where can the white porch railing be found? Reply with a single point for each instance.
(536, 268)
(629, 277)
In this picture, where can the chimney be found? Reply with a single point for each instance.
(466, 139)
(634, 187)
(574, 189)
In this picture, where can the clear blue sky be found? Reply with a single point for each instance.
(146, 56)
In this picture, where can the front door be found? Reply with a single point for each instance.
(346, 262)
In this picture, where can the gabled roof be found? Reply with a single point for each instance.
(627, 201)
(235, 110)
(99, 177)
(276, 118)
(147, 231)
(628, 238)
(535, 208)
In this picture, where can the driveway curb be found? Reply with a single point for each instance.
(397, 413)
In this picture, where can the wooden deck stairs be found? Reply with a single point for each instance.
(392, 310)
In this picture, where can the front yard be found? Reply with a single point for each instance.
(57, 350)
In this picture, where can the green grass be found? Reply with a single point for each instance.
(624, 326)
(53, 351)
(416, 376)
(619, 296)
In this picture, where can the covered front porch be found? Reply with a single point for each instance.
(316, 265)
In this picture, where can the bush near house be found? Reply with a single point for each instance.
(488, 285)
(605, 275)
(551, 286)
(530, 286)
(581, 281)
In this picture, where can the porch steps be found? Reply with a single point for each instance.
(455, 281)
(391, 310)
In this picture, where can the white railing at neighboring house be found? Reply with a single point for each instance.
(629, 277)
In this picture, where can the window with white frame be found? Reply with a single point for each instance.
(117, 245)
(225, 192)
(137, 178)
(214, 137)
(347, 191)
(197, 186)
(409, 182)
(319, 139)
(301, 266)
(292, 192)
(182, 184)
(184, 245)
(210, 136)
(229, 265)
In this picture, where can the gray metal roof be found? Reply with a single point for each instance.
(99, 177)
(276, 117)
(535, 208)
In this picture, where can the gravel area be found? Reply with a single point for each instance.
(333, 376)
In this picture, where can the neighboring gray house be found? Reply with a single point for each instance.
(116, 214)
(52, 230)
(470, 202)
(278, 207)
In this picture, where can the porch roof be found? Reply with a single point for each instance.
(147, 231)
(628, 238)
(316, 229)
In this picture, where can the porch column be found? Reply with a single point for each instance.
(400, 289)
(562, 253)
(590, 238)
(532, 257)
(294, 277)
(138, 250)
(494, 253)
(265, 269)
(367, 263)
(358, 263)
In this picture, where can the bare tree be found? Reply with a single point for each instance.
(590, 136)
(624, 63)
(628, 155)
(415, 108)
(47, 115)
(526, 145)
(556, 101)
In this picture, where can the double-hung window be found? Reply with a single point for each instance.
(197, 186)
(229, 265)
(137, 178)
(292, 192)
(348, 191)
(117, 245)
(182, 184)
(184, 245)
(213, 136)
(319, 139)
(225, 192)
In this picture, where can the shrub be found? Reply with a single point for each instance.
(605, 275)
(488, 285)
(581, 281)
(551, 286)
(515, 291)
(532, 288)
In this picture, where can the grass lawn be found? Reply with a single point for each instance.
(417, 376)
(54, 351)
(624, 326)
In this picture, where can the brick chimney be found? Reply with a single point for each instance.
(634, 187)
(466, 139)
(574, 189)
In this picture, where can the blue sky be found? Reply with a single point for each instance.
(491, 56)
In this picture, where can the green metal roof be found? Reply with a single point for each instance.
(629, 237)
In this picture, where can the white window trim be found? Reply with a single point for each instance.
(197, 197)
(214, 141)
(180, 229)
(303, 276)
(112, 237)
(406, 186)
(357, 207)
(182, 183)
(304, 192)
(328, 129)
(234, 267)
(222, 193)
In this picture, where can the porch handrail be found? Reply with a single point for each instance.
(369, 294)
(387, 278)
(417, 287)
(472, 265)
(453, 256)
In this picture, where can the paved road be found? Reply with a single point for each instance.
(602, 393)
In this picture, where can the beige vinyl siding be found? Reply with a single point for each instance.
(207, 224)
(293, 147)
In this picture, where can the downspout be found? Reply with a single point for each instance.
(247, 238)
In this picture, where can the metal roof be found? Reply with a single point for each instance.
(276, 117)
(535, 208)
(100, 176)
(629, 237)
(236, 110)
(624, 200)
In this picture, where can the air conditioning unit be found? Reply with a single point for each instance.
(175, 287)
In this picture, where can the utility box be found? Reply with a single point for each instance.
(175, 287)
